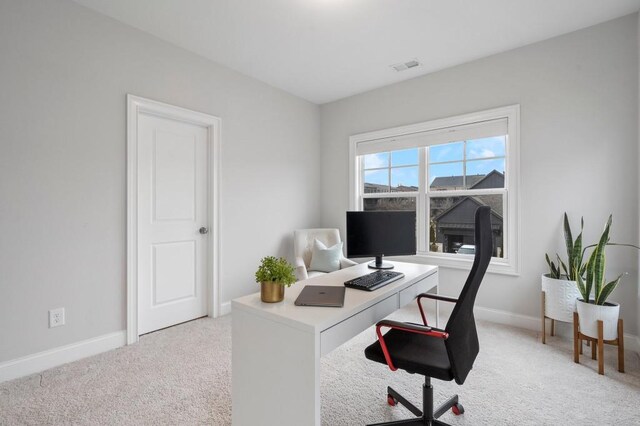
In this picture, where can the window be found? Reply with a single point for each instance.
(444, 170)
(477, 167)
(390, 180)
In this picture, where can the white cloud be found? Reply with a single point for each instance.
(482, 153)
(374, 161)
(443, 153)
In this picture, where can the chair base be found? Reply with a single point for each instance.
(429, 416)
(415, 422)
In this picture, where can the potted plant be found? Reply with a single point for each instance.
(590, 310)
(274, 274)
(559, 285)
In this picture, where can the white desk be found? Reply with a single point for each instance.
(276, 347)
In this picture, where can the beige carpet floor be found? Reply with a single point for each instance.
(181, 376)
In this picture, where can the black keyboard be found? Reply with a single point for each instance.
(373, 280)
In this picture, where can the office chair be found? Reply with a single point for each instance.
(442, 354)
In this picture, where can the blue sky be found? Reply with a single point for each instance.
(407, 176)
(452, 154)
(476, 152)
(398, 158)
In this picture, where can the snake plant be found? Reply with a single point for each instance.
(589, 276)
(595, 268)
(554, 270)
(575, 255)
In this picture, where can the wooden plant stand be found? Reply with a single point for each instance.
(544, 323)
(598, 344)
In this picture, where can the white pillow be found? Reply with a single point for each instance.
(325, 259)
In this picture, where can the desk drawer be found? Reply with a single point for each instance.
(422, 286)
(335, 336)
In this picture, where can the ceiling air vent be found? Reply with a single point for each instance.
(406, 65)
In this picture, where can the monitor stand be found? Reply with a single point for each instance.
(379, 264)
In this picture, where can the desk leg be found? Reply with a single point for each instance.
(437, 310)
(275, 373)
(434, 290)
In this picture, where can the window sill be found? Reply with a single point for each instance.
(495, 267)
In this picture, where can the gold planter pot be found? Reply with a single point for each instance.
(271, 292)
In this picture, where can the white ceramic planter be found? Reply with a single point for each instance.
(589, 314)
(560, 298)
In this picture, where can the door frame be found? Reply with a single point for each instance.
(135, 106)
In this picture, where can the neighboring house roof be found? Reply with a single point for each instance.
(463, 212)
(370, 188)
(403, 188)
(493, 179)
(454, 181)
(374, 187)
(473, 181)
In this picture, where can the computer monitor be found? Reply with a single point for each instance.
(381, 233)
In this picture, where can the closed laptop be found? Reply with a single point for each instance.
(321, 295)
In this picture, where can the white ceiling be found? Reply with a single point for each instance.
(323, 50)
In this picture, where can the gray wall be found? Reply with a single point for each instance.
(64, 75)
(579, 146)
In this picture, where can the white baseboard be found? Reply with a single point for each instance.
(498, 316)
(508, 318)
(51, 358)
(632, 342)
(225, 308)
(44, 360)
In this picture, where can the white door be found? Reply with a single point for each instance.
(172, 221)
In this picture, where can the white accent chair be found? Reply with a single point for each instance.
(303, 247)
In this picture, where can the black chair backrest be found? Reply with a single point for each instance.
(462, 344)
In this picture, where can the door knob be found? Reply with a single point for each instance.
(204, 230)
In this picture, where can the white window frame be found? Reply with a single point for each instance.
(385, 139)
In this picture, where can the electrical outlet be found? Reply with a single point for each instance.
(56, 317)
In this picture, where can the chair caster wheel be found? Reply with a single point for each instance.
(457, 409)
(391, 401)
